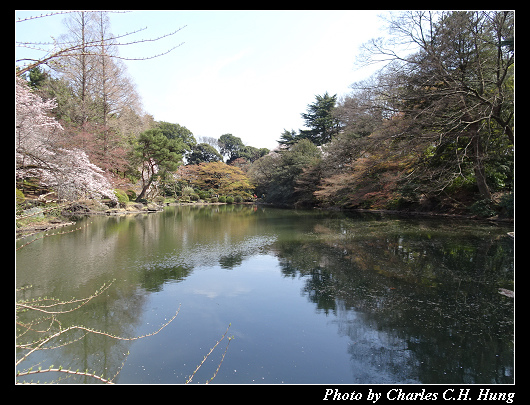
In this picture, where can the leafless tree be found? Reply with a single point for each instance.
(210, 140)
(101, 103)
(55, 49)
(450, 76)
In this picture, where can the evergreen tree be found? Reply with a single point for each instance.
(230, 146)
(288, 138)
(319, 118)
(37, 77)
(176, 131)
(156, 154)
(203, 153)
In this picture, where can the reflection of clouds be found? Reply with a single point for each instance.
(227, 290)
(209, 254)
(407, 305)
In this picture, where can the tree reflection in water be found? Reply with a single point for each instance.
(419, 304)
(415, 300)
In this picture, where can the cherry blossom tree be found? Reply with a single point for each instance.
(39, 151)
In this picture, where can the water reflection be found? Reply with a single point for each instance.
(141, 253)
(417, 300)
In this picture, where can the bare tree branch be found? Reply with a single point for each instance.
(63, 12)
(68, 49)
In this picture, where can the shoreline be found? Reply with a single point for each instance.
(42, 226)
(38, 227)
(25, 231)
(430, 214)
(434, 214)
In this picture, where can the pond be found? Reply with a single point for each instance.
(310, 297)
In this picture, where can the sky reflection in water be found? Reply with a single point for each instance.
(312, 297)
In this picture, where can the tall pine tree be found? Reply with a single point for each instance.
(320, 120)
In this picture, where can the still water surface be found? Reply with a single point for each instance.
(312, 297)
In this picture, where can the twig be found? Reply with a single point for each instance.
(222, 359)
(97, 332)
(51, 234)
(83, 301)
(62, 370)
(210, 352)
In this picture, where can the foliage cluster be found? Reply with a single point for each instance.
(431, 130)
(81, 129)
(147, 160)
(216, 179)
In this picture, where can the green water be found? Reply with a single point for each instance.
(312, 297)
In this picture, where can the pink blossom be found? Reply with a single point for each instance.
(38, 151)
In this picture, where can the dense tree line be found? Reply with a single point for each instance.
(79, 108)
(432, 129)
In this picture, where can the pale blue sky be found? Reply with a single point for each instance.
(248, 73)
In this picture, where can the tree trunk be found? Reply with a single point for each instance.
(144, 190)
(478, 167)
(151, 170)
